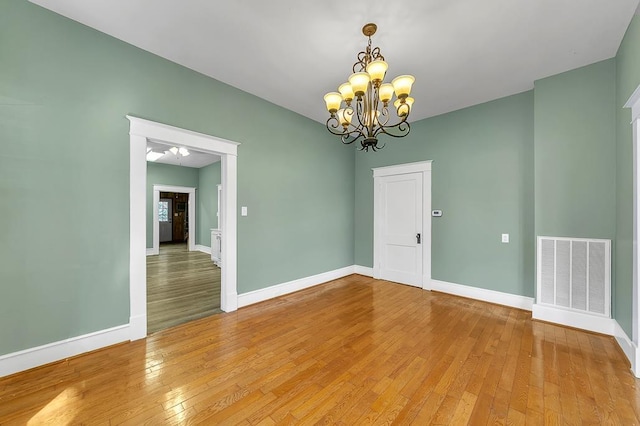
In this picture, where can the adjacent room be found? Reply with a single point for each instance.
(183, 275)
(319, 212)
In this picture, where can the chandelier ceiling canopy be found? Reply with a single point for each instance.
(360, 111)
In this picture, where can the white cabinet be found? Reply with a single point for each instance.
(216, 246)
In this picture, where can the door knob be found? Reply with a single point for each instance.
(418, 237)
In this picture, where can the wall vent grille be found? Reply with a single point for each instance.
(575, 274)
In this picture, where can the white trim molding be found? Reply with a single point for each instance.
(203, 249)
(634, 104)
(277, 290)
(423, 167)
(140, 131)
(157, 189)
(628, 347)
(150, 252)
(34, 357)
(363, 270)
(584, 321)
(56, 351)
(400, 169)
(491, 296)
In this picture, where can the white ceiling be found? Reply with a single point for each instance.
(195, 159)
(292, 52)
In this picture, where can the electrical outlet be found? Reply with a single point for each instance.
(505, 238)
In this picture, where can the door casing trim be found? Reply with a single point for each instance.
(140, 131)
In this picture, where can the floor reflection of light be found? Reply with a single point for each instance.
(62, 408)
(173, 404)
(152, 374)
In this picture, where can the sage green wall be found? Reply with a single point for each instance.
(482, 180)
(575, 157)
(209, 178)
(64, 175)
(167, 174)
(627, 80)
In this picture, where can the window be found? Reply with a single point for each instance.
(163, 211)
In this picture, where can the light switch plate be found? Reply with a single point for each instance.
(243, 211)
(436, 213)
(505, 238)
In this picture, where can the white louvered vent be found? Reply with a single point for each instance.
(575, 274)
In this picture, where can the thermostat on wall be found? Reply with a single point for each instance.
(436, 213)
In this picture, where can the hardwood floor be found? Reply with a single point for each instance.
(350, 352)
(181, 286)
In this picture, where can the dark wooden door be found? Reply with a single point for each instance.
(180, 215)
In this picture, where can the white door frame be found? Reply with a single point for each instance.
(140, 131)
(634, 104)
(157, 189)
(423, 167)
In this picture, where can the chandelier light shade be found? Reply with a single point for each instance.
(359, 111)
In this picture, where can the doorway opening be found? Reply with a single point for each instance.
(141, 132)
(183, 283)
(174, 216)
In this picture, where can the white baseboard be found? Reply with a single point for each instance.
(51, 352)
(204, 249)
(599, 325)
(151, 251)
(628, 347)
(574, 319)
(263, 294)
(138, 327)
(492, 296)
(363, 270)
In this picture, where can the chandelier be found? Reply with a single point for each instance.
(365, 113)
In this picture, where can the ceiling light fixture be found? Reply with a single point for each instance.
(369, 117)
(153, 156)
(182, 151)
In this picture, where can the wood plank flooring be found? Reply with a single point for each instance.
(181, 286)
(349, 352)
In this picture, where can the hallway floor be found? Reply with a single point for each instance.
(181, 286)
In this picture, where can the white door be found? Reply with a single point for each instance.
(401, 232)
(165, 214)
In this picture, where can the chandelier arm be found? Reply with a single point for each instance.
(332, 127)
(356, 126)
(359, 111)
(384, 117)
(376, 55)
(366, 114)
(373, 108)
(353, 132)
(403, 128)
(350, 136)
(378, 146)
(355, 138)
(361, 64)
